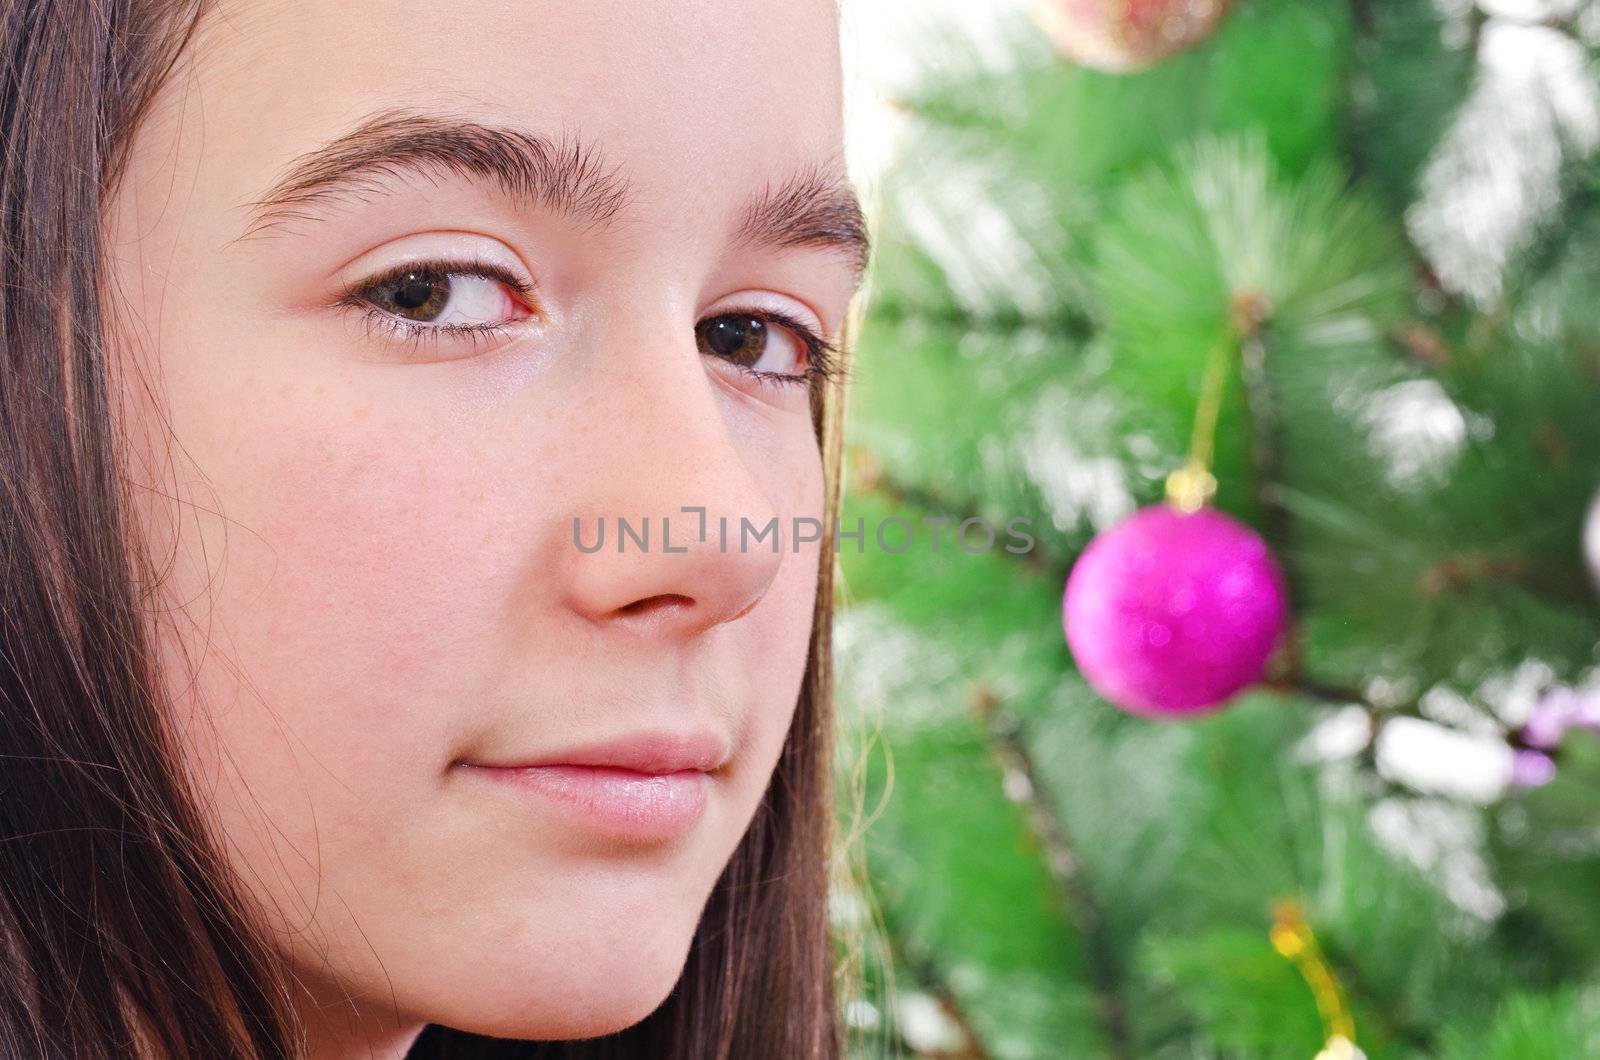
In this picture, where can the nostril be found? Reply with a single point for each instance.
(661, 601)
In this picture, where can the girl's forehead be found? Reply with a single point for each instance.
(666, 73)
(617, 109)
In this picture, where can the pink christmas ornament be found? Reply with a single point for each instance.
(1170, 614)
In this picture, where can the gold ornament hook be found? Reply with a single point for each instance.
(1191, 487)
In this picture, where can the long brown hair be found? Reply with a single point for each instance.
(121, 930)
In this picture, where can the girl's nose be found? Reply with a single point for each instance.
(674, 533)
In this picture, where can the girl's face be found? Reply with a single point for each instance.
(416, 287)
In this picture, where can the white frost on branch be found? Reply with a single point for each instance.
(1495, 177)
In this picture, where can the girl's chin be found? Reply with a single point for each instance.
(607, 1009)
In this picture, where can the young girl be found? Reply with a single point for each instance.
(334, 332)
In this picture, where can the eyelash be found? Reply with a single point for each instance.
(822, 357)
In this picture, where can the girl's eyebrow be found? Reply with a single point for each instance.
(815, 207)
(567, 177)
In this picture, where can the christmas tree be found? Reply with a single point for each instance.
(1341, 262)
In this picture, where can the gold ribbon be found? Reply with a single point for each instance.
(1192, 486)
(1292, 937)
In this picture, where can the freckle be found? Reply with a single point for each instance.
(286, 389)
(361, 413)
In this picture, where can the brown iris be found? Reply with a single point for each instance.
(736, 337)
(420, 295)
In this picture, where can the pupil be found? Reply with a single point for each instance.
(413, 291)
(726, 336)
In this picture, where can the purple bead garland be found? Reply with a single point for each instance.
(1539, 739)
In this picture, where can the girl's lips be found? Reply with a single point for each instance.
(624, 804)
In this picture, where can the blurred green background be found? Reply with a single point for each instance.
(1408, 191)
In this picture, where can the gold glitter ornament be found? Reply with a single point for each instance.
(1124, 36)
(1340, 1048)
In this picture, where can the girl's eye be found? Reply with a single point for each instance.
(440, 297)
(771, 346)
(763, 343)
(749, 342)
